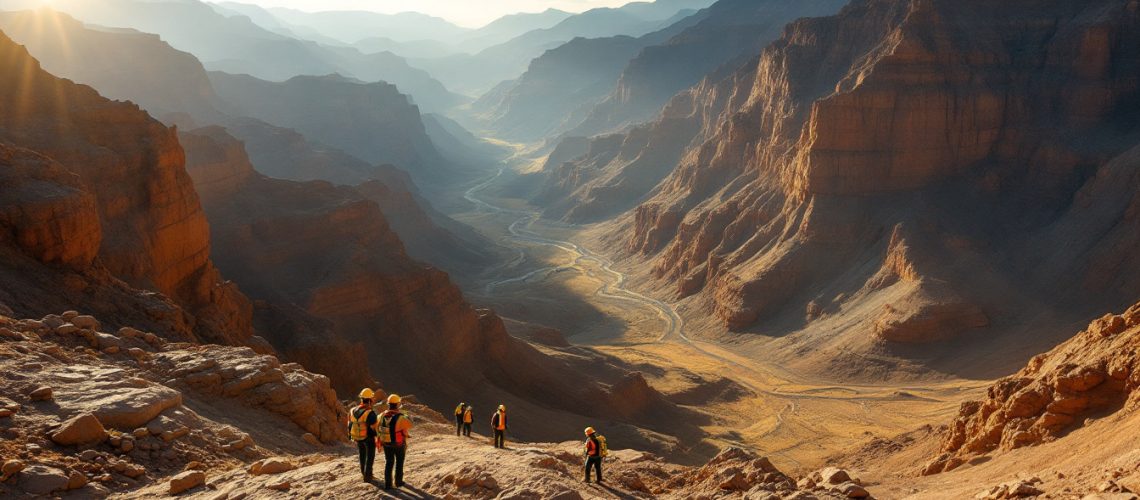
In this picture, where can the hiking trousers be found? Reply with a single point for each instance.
(467, 429)
(394, 458)
(596, 463)
(500, 438)
(367, 449)
(458, 424)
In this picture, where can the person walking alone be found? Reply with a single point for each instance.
(362, 429)
(499, 425)
(393, 436)
(595, 450)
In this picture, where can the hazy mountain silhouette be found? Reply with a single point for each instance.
(731, 32)
(372, 121)
(562, 86)
(236, 44)
(479, 72)
(353, 26)
(510, 26)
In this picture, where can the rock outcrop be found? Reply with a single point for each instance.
(147, 224)
(134, 408)
(1092, 374)
(890, 162)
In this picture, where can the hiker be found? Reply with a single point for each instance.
(499, 425)
(393, 436)
(595, 450)
(468, 417)
(362, 429)
(459, 411)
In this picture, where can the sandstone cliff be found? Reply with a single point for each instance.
(889, 163)
(154, 233)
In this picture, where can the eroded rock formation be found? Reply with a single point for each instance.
(1093, 373)
(890, 162)
(129, 169)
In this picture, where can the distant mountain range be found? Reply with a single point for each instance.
(238, 45)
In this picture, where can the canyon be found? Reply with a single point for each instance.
(772, 250)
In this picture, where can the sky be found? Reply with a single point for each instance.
(469, 13)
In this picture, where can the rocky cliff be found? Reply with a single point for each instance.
(130, 169)
(890, 162)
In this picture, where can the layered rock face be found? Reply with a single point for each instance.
(1094, 373)
(154, 233)
(892, 160)
(373, 121)
(728, 33)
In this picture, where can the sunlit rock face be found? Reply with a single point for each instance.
(154, 233)
(921, 166)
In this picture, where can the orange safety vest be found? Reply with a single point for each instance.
(499, 420)
(389, 433)
(467, 416)
(592, 447)
(358, 423)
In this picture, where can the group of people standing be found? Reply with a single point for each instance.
(389, 430)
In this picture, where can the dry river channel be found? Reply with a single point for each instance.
(797, 420)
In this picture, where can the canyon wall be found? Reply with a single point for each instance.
(888, 165)
(154, 233)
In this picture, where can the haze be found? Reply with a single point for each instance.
(462, 12)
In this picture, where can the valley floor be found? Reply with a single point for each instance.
(798, 419)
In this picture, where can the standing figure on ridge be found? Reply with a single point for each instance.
(468, 417)
(596, 450)
(459, 411)
(499, 425)
(362, 429)
(393, 436)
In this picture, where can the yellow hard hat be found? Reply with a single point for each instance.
(589, 430)
(502, 408)
(394, 399)
(366, 393)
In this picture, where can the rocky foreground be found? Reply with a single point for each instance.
(90, 413)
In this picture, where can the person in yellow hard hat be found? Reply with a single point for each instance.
(594, 451)
(459, 411)
(393, 436)
(468, 417)
(499, 426)
(362, 429)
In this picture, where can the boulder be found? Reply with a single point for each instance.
(279, 486)
(832, 475)
(852, 490)
(308, 437)
(81, 430)
(43, 393)
(85, 321)
(274, 465)
(187, 480)
(76, 480)
(42, 480)
(11, 467)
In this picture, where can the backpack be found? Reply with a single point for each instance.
(388, 434)
(604, 450)
(358, 424)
